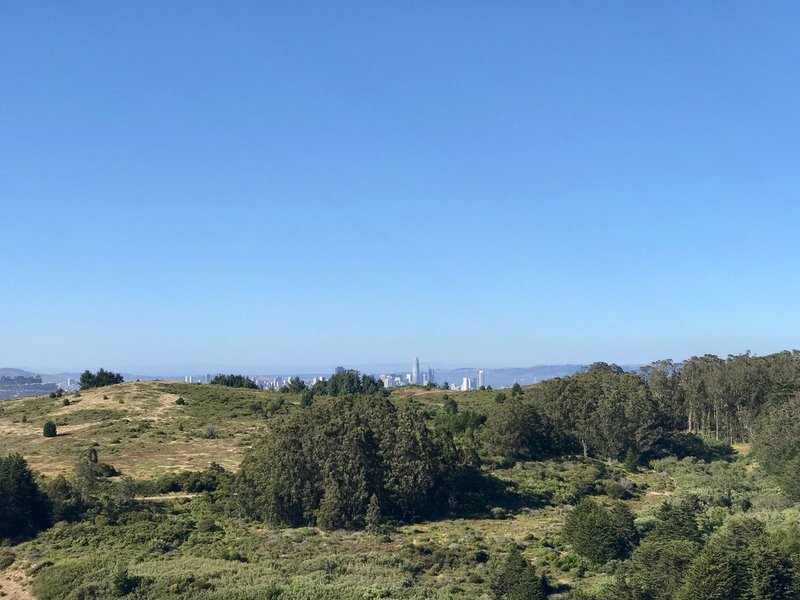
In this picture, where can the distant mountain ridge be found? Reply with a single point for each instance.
(50, 382)
(8, 372)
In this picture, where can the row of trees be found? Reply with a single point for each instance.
(102, 378)
(777, 444)
(234, 381)
(723, 397)
(344, 383)
(609, 413)
(602, 410)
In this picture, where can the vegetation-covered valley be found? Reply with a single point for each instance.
(680, 481)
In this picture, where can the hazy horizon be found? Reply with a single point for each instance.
(180, 370)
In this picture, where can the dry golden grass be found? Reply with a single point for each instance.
(134, 426)
(15, 584)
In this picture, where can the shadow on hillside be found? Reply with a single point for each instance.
(683, 445)
(485, 496)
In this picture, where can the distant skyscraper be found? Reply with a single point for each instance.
(430, 376)
(480, 378)
(466, 384)
(339, 370)
(415, 372)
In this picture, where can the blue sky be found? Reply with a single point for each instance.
(322, 183)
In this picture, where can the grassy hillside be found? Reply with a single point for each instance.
(139, 428)
(192, 545)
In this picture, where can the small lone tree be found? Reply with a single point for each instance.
(516, 579)
(597, 533)
(631, 461)
(122, 583)
(373, 519)
(49, 429)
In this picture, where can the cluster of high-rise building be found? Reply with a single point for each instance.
(468, 383)
(415, 377)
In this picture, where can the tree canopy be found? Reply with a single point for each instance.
(324, 465)
(234, 381)
(23, 507)
(102, 378)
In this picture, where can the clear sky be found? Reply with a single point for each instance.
(323, 183)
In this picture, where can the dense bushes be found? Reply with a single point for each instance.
(66, 502)
(324, 464)
(49, 429)
(208, 480)
(740, 562)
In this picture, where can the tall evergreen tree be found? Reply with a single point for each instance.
(23, 507)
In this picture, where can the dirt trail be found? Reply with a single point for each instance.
(168, 497)
(15, 584)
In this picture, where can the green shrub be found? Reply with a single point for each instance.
(207, 525)
(122, 583)
(600, 534)
(516, 579)
(210, 432)
(631, 461)
(49, 429)
(656, 569)
(740, 561)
